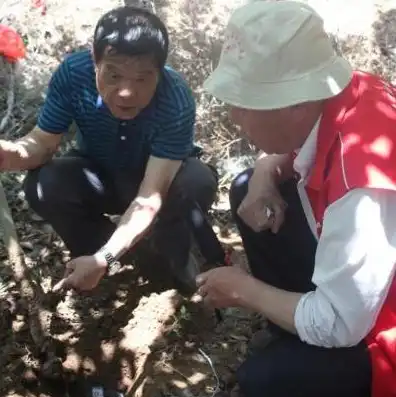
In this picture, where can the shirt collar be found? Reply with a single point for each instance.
(99, 102)
(306, 154)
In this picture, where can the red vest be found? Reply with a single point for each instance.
(356, 148)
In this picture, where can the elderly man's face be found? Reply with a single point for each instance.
(273, 131)
(126, 84)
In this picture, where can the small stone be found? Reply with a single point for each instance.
(189, 344)
(37, 218)
(27, 244)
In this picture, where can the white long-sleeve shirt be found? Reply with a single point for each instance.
(354, 263)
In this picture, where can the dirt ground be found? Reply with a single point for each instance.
(135, 333)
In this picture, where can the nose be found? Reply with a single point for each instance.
(126, 91)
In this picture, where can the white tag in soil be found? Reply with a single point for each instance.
(97, 392)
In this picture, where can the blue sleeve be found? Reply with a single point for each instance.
(176, 138)
(56, 114)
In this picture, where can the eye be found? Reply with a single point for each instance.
(114, 76)
(141, 79)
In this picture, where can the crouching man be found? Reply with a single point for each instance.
(316, 214)
(135, 127)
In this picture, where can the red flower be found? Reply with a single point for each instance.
(12, 46)
(40, 4)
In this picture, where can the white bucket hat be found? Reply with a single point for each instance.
(275, 55)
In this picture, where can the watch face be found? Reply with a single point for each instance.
(114, 268)
(109, 258)
(86, 388)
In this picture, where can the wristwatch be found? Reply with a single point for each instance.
(113, 265)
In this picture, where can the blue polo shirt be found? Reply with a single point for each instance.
(165, 128)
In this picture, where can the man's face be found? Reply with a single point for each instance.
(273, 131)
(126, 84)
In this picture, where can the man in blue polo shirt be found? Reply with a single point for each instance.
(135, 125)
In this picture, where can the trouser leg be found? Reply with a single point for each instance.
(194, 183)
(72, 195)
(286, 259)
(288, 366)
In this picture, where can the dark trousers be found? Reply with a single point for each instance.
(287, 366)
(73, 195)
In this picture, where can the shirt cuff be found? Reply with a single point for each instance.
(314, 320)
(300, 318)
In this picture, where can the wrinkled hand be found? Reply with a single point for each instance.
(82, 273)
(263, 207)
(224, 287)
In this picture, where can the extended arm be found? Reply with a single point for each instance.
(145, 207)
(355, 264)
(31, 151)
(55, 117)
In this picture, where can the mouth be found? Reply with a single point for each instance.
(126, 112)
(127, 108)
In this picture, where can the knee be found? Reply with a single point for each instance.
(43, 186)
(197, 181)
(239, 188)
(31, 188)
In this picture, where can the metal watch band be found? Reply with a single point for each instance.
(113, 265)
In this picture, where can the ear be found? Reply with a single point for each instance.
(300, 111)
(92, 54)
(94, 60)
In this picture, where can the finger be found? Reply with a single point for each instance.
(60, 286)
(258, 219)
(254, 219)
(202, 292)
(201, 279)
(278, 218)
(67, 273)
(264, 219)
(197, 298)
(246, 212)
(69, 281)
(62, 283)
(71, 265)
(209, 302)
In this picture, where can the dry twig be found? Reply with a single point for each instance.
(10, 95)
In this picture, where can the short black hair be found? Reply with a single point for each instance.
(131, 31)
